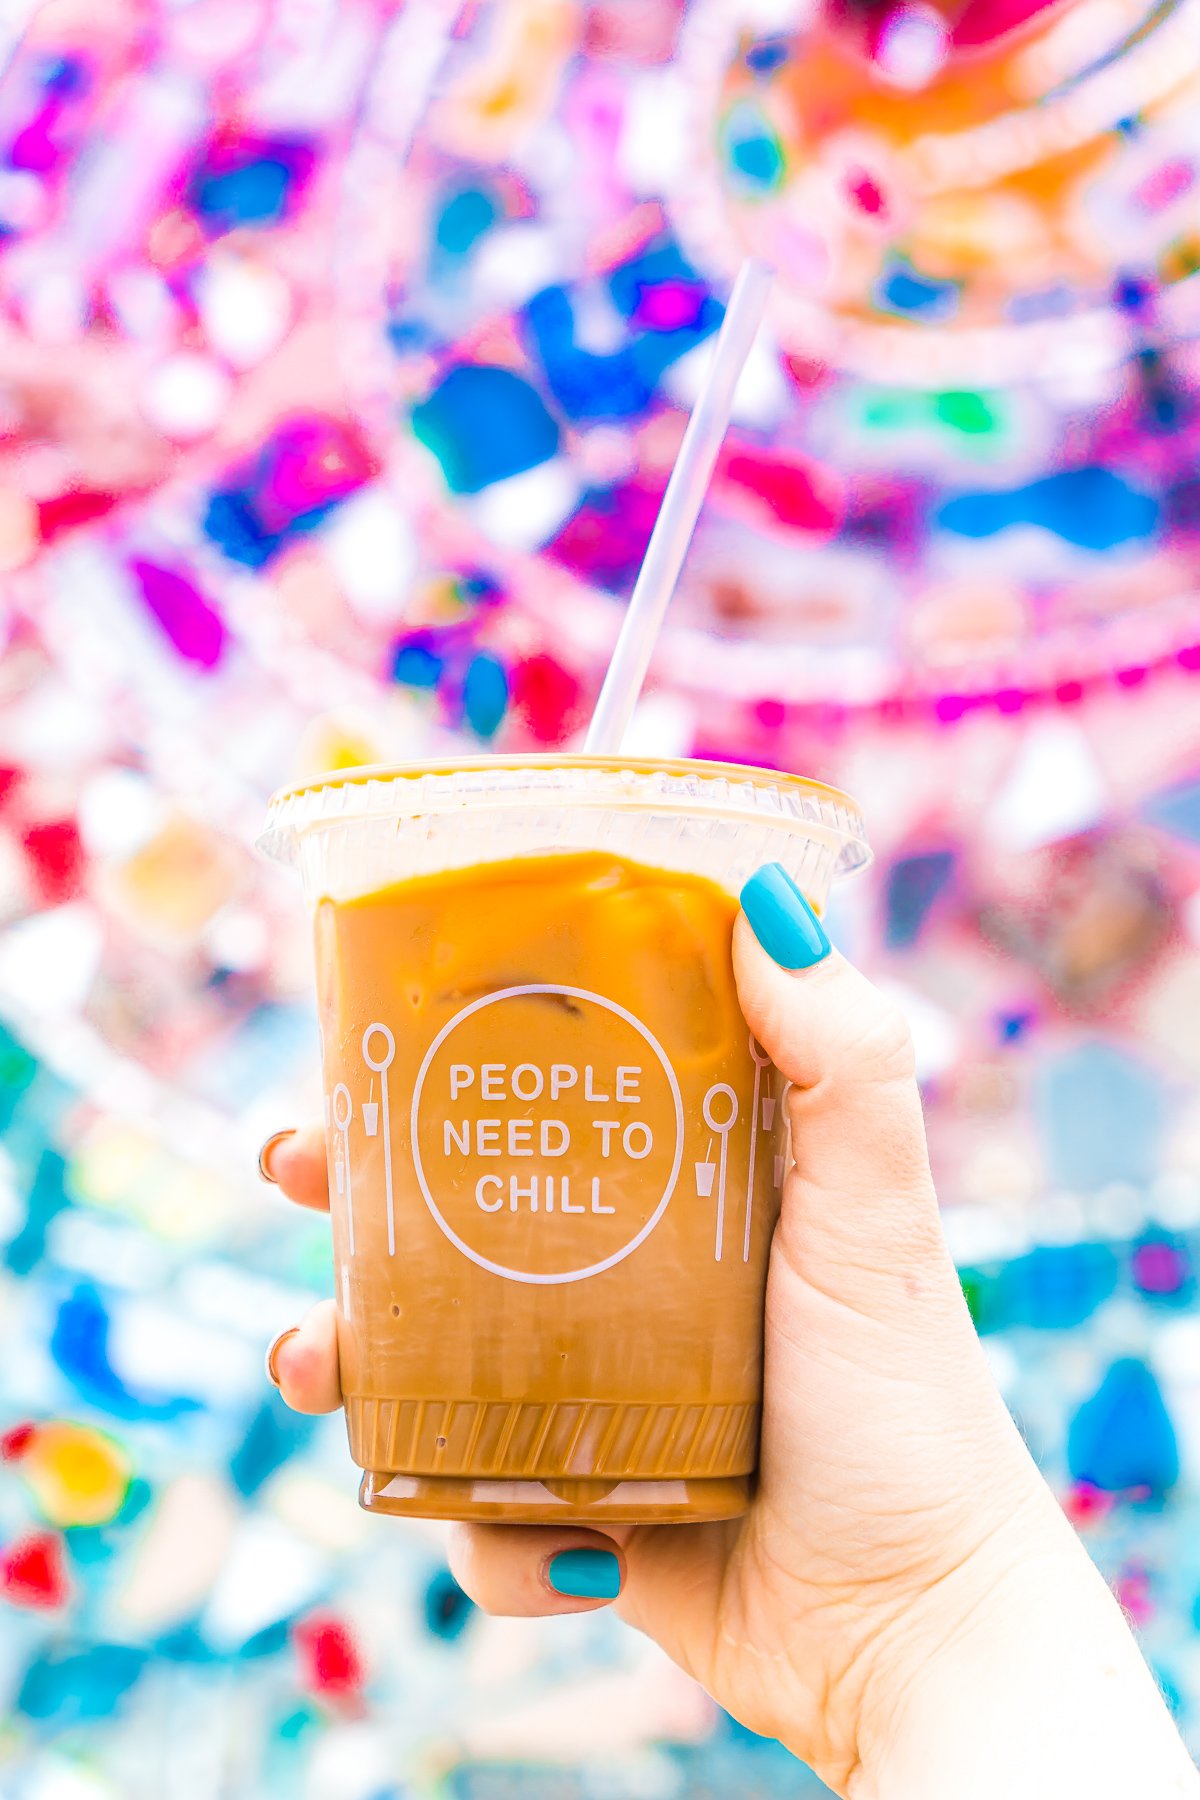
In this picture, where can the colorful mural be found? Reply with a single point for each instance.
(345, 348)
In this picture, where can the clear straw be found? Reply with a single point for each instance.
(678, 514)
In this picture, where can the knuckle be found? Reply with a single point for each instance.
(875, 1042)
(888, 1043)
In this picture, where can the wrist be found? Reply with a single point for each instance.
(1018, 1674)
(975, 1594)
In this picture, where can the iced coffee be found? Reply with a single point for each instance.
(556, 1152)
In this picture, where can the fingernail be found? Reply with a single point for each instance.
(265, 1154)
(273, 1351)
(782, 920)
(585, 1574)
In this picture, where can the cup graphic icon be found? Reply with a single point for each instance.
(370, 1116)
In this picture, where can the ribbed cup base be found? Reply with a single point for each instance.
(480, 1440)
(561, 1502)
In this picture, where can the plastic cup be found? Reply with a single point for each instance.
(556, 1153)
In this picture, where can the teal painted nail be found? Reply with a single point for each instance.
(585, 1574)
(782, 920)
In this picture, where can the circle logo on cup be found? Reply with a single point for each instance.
(547, 1132)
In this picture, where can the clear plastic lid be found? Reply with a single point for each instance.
(348, 830)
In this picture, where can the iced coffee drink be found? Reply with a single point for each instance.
(556, 1152)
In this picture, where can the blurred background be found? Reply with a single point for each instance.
(345, 347)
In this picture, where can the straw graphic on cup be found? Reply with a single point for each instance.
(381, 1067)
(761, 1061)
(782, 1160)
(343, 1112)
(720, 1090)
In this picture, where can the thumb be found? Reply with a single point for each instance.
(860, 1218)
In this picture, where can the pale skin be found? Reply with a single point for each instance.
(905, 1605)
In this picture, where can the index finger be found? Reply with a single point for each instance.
(294, 1161)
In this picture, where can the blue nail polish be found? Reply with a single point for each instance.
(782, 920)
(585, 1574)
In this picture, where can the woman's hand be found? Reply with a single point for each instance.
(897, 1512)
